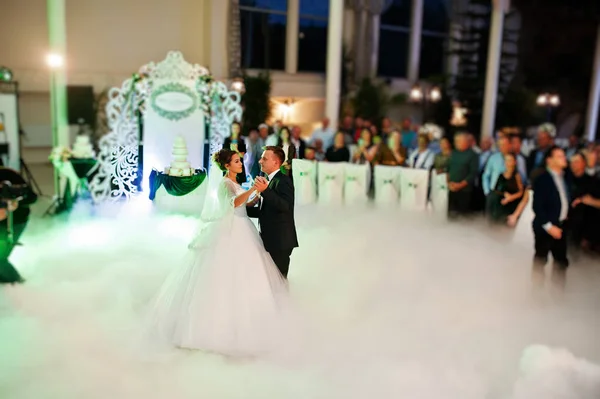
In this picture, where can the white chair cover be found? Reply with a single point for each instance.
(387, 184)
(356, 186)
(331, 183)
(414, 184)
(305, 181)
(439, 193)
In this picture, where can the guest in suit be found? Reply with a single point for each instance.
(338, 152)
(535, 161)
(298, 142)
(237, 143)
(551, 208)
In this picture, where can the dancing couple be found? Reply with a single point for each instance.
(231, 296)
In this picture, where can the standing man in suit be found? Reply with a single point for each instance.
(551, 207)
(276, 209)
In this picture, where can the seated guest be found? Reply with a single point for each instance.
(507, 193)
(442, 159)
(338, 152)
(422, 157)
(462, 171)
(392, 153)
(366, 150)
(584, 219)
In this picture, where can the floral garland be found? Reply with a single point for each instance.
(141, 89)
(60, 154)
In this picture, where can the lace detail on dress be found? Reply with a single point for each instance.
(234, 190)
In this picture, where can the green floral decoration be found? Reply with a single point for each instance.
(6, 74)
(174, 115)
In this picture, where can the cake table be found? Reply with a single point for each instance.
(177, 194)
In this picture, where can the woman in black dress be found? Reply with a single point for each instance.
(236, 142)
(507, 193)
(338, 152)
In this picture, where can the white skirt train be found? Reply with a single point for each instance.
(228, 298)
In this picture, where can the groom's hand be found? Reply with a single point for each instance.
(261, 184)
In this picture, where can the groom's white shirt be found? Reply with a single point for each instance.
(272, 174)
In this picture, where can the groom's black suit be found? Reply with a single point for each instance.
(276, 219)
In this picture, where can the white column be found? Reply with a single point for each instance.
(416, 30)
(374, 45)
(291, 36)
(591, 122)
(493, 69)
(334, 60)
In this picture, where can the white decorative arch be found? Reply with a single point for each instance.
(118, 150)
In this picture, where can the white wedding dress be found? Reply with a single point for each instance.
(229, 297)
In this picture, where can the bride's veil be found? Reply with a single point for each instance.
(216, 202)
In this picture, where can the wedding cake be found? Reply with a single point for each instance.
(180, 165)
(82, 148)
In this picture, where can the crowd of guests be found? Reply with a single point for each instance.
(492, 177)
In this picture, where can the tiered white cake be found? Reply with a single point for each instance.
(180, 165)
(82, 148)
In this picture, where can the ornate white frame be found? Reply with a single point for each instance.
(118, 150)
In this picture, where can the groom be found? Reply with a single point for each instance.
(275, 211)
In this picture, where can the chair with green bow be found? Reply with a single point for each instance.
(331, 183)
(305, 181)
(438, 197)
(414, 184)
(356, 184)
(387, 184)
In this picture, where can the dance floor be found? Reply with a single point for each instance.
(397, 305)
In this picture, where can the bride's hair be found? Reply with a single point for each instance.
(223, 157)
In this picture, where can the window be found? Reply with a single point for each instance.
(312, 35)
(262, 28)
(394, 34)
(433, 40)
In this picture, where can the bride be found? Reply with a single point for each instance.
(229, 298)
